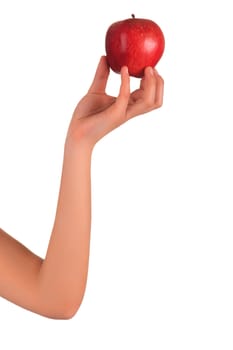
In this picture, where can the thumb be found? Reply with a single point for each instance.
(101, 77)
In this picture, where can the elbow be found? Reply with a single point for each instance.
(63, 301)
(63, 308)
(70, 304)
(66, 310)
(67, 313)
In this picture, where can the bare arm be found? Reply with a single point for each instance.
(55, 286)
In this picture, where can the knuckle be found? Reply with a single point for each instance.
(149, 103)
(161, 79)
(159, 103)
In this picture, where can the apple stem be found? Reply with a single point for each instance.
(133, 15)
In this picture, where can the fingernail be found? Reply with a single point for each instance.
(126, 69)
(151, 70)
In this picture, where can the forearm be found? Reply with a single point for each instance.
(63, 274)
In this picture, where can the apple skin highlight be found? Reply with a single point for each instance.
(136, 43)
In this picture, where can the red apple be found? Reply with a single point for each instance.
(136, 43)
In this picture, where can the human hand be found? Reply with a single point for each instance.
(97, 113)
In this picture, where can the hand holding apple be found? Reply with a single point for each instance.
(99, 113)
(136, 43)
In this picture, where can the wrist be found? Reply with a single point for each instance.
(79, 147)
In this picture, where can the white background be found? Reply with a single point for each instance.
(161, 264)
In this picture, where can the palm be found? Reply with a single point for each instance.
(94, 103)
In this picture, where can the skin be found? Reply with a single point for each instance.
(54, 286)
